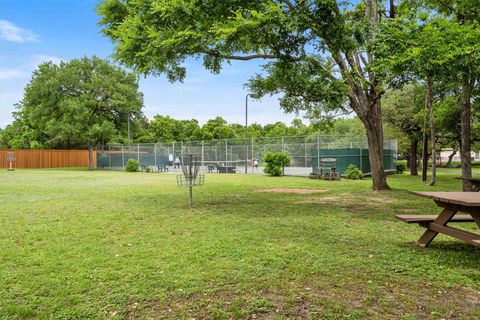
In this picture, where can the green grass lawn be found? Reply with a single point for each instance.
(95, 245)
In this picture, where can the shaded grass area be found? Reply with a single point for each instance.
(127, 246)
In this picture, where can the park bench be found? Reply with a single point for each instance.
(225, 169)
(162, 168)
(475, 183)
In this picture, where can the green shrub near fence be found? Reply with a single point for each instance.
(353, 172)
(275, 163)
(132, 165)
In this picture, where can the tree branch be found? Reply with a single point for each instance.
(242, 58)
(308, 59)
(445, 5)
(289, 4)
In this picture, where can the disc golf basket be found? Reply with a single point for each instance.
(10, 159)
(190, 178)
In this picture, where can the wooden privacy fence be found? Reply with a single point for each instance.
(25, 159)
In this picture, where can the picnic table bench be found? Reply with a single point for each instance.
(226, 169)
(452, 203)
(162, 168)
(475, 183)
(327, 169)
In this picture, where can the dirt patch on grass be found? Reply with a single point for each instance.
(294, 191)
(350, 199)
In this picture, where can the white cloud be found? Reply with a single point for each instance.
(38, 59)
(8, 74)
(10, 32)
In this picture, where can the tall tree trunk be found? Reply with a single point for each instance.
(425, 151)
(374, 131)
(90, 158)
(365, 99)
(392, 9)
(413, 157)
(450, 158)
(429, 106)
(465, 151)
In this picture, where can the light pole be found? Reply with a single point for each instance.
(246, 132)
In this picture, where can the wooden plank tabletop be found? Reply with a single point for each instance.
(468, 199)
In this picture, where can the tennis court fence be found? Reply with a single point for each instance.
(304, 152)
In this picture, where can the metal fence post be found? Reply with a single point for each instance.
(253, 154)
(253, 149)
(305, 146)
(283, 146)
(226, 153)
(138, 152)
(123, 156)
(155, 153)
(203, 154)
(318, 153)
(361, 157)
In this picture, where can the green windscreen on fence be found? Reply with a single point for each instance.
(118, 159)
(240, 152)
(356, 156)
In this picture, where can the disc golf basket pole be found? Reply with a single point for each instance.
(10, 159)
(190, 178)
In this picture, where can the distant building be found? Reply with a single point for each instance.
(445, 153)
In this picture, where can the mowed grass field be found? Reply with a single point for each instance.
(116, 245)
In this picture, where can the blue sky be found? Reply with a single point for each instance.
(32, 31)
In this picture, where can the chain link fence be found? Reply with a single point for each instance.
(237, 154)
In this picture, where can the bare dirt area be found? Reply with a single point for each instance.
(347, 199)
(293, 191)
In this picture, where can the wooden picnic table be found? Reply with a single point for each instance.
(452, 203)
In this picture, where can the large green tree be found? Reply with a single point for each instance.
(464, 18)
(466, 13)
(425, 45)
(318, 51)
(80, 103)
(402, 109)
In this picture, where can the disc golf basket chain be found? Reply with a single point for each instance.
(190, 178)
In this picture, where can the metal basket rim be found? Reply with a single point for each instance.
(182, 181)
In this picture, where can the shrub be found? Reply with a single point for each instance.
(353, 172)
(132, 165)
(275, 163)
(401, 167)
(148, 169)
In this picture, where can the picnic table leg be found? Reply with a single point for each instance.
(442, 220)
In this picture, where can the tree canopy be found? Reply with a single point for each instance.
(80, 103)
(318, 51)
(436, 42)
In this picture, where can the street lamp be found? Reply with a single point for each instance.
(246, 131)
